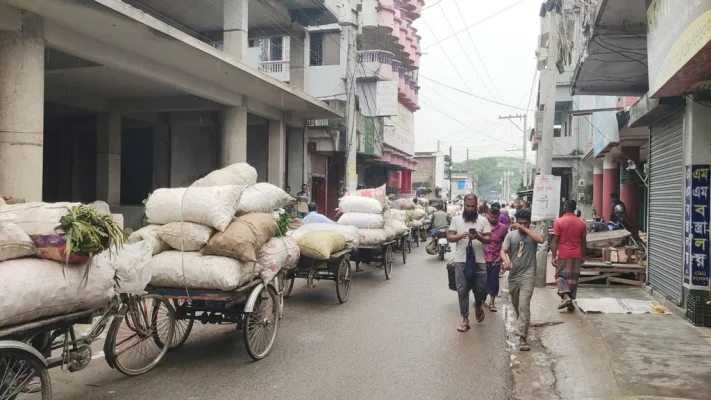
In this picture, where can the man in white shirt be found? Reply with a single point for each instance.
(470, 227)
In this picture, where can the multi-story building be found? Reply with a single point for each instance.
(652, 50)
(429, 176)
(110, 99)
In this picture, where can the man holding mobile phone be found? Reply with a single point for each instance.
(470, 226)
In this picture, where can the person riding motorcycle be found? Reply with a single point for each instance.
(438, 221)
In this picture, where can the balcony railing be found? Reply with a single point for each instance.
(278, 69)
(379, 56)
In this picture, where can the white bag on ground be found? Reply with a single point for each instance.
(14, 243)
(185, 236)
(175, 269)
(360, 204)
(33, 288)
(372, 236)
(211, 206)
(150, 234)
(240, 174)
(361, 220)
(278, 253)
(263, 198)
(132, 266)
(35, 218)
(350, 233)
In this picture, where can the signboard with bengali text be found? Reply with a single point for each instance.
(697, 217)
(546, 198)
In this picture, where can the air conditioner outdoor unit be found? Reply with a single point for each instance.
(581, 182)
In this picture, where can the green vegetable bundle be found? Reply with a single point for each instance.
(89, 233)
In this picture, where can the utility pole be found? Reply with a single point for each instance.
(524, 167)
(545, 147)
(437, 146)
(350, 27)
(450, 173)
(467, 179)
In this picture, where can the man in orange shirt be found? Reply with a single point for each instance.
(568, 249)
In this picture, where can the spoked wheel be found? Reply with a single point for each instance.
(183, 326)
(289, 285)
(388, 261)
(409, 245)
(261, 325)
(417, 238)
(404, 250)
(135, 343)
(343, 279)
(23, 376)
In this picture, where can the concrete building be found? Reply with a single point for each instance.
(111, 99)
(662, 152)
(428, 178)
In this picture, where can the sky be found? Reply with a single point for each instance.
(503, 71)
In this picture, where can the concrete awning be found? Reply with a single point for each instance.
(646, 111)
(119, 36)
(616, 61)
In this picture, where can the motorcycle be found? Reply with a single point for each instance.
(442, 242)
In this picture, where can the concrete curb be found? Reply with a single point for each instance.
(661, 299)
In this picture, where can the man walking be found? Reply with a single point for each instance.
(492, 255)
(568, 249)
(519, 255)
(470, 229)
(302, 201)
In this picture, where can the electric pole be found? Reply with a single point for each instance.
(450, 173)
(468, 170)
(548, 81)
(524, 167)
(350, 27)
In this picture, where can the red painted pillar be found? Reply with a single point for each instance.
(597, 188)
(610, 183)
(629, 185)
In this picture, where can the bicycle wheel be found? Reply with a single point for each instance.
(132, 343)
(404, 251)
(343, 279)
(261, 325)
(388, 261)
(183, 326)
(23, 376)
(289, 286)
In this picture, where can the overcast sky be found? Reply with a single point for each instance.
(503, 70)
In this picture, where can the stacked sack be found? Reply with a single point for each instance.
(37, 282)
(219, 233)
(368, 210)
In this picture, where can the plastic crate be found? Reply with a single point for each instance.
(698, 312)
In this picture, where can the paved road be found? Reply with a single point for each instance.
(392, 340)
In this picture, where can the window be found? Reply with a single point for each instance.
(316, 48)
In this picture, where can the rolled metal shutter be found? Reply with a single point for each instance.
(318, 166)
(666, 207)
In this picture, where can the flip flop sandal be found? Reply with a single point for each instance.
(463, 328)
(524, 347)
(565, 304)
(492, 308)
(480, 315)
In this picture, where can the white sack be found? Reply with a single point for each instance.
(211, 206)
(431, 210)
(398, 226)
(389, 233)
(372, 236)
(14, 243)
(400, 215)
(35, 218)
(277, 254)
(240, 174)
(175, 269)
(132, 266)
(397, 204)
(33, 288)
(362, 220)
(350, 233)
(416, 223)
(185, 236)
(150, 234)
(263, 197)
(360, 204)
(418, 213)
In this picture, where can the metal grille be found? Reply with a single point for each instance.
(318, 166)
(316, 43)
(666, 205)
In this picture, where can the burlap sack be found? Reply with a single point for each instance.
(243, 237)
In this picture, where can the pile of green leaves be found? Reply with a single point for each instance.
(283, 223)
(408, 218)
(89, 233)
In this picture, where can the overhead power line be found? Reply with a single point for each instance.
(473, 95)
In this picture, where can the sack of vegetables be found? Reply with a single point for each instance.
(81, 234)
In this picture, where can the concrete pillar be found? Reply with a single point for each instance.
(235, 24)
(295, 147)
(276, 159)
(161, 156)
(597, 188)
(299, 60)
(233, 138)
(22, 109)
(629, 185)
(108, 158)
(610, 183)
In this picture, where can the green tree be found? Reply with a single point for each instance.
(489, 173)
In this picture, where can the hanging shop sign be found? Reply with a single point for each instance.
(697, 217)
(678, 32)
(546, 198)
(369, 139)
(394, 179)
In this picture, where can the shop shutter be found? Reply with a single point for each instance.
(318, 166)
(666, 207)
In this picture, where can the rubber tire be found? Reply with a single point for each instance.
(37, 365)
(343, 295)
(404, 252)
(417, 239)
(245, 326)
(388, 261)
(409, 245)
(110, 344)
(441, 253)
(288, 287)
(189, 327)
